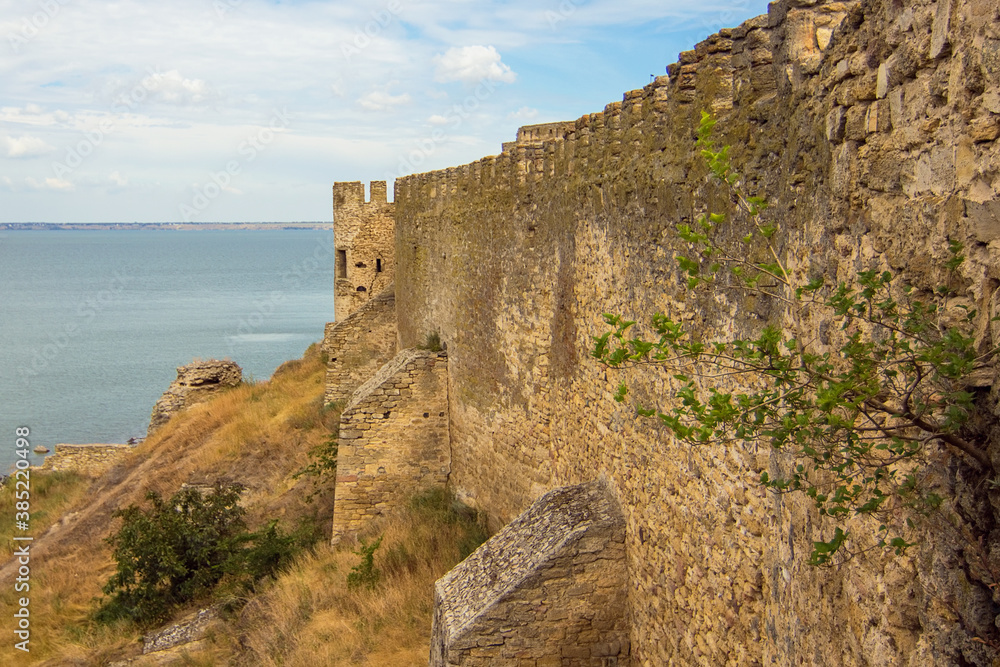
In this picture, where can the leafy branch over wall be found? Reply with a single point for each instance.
(858, 415)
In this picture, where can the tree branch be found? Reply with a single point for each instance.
(935, 430)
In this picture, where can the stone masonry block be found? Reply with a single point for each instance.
(480, 599)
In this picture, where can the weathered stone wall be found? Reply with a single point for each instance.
(537, 135)
(871, 128)
(196, 382)
(394, 439)
(90, 460)
(363, 238)
(547, 590)
(359, 345)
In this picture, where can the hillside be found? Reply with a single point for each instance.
(257, 435)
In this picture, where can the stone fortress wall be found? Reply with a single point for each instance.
(89, 460)
(359, 345)
(394, 439)
(548, 589)
(871, 128)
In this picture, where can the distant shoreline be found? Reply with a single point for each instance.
(156, 226)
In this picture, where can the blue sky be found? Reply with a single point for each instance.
(248, 110)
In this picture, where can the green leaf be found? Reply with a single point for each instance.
(823, 551)
(621, 392)
(689, 266)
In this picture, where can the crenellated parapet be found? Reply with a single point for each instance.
(742, 66)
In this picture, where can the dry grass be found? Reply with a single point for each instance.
(258, 435)
(51, 493)
(312, 617)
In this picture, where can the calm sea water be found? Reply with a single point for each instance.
(94, 323)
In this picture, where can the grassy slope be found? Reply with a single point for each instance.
(257, 435)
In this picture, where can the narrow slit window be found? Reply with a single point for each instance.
(341, 263)
(378, 266)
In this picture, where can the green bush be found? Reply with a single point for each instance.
(176, 550)
(322, 463)
(432, 342)
(272, 550)
(365, 573)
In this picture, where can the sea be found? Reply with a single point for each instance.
(94, 323)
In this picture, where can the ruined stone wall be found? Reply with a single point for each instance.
(547, 590)
(363, 238)
(196, 382)
(871, 128)
(359, 345)
(90, 460)
(394, 439)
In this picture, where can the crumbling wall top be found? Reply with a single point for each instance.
(556, 519)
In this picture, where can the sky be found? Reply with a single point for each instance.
(249, 110)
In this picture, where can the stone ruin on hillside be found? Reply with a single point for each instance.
(195, 382)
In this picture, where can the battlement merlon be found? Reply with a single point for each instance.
(350, 209)
(531, 134)
(348, 194)
(378, 192)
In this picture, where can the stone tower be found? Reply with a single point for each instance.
(364, 236)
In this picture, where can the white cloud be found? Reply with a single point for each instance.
(524, 113)
(142, 105)
(118, 179)
(172, 88)
(26, 116)
(471, 64)
(57, 184)
(26, 147)
(382, 101)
